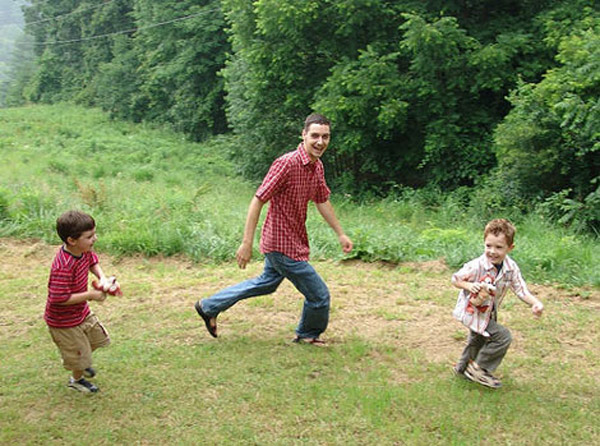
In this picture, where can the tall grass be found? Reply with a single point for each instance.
(152, 192)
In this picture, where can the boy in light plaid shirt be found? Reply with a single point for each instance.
(484, 282)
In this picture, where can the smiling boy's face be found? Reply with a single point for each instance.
(496, 248)
(83, 243)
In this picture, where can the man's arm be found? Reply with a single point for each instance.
(326, 210)
(244, 252)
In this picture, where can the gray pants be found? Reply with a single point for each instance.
(486, 352)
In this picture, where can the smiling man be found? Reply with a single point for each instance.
(293, 180)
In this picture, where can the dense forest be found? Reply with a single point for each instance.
(495, 97)
(11, 24)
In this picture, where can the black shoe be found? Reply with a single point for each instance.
(212, 330)
(82, 385)
(89, 372)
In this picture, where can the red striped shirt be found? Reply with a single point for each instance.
(68, 275)
(292, 181)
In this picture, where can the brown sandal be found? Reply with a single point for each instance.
(212, 329)
(312, 341)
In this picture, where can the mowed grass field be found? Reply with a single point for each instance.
(385, 378)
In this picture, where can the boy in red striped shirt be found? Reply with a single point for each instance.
(75, 330)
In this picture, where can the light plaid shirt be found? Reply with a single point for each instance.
(292, 181)
(475, 271)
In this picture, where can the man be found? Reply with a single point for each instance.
(293, 180)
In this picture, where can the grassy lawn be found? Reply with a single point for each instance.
(384, 380)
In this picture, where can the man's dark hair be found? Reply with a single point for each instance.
(73, 224)
(316, 118)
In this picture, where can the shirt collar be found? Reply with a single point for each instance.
(71, 254)
(304, 158)
(489, 265)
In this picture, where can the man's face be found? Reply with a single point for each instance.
(496, 248)
(316, 139)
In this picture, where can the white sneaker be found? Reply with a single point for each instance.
(482, 376)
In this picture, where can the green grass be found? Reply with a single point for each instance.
(384, 380)
(152, 192)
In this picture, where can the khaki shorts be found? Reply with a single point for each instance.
(76, 344)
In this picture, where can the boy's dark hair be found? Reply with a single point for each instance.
(73, 224)
(501, 226)
(316, 118)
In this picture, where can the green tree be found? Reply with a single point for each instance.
(283, 52)
(71, 40)
(179, 64)
(414, 94)
(550, 141)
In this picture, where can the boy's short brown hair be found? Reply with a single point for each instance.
(501, 226)
(73, 224)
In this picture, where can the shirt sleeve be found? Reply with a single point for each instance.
(518, 285)
(468, 273)
(274, 181)
(323, 192)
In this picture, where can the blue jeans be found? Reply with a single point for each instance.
(315, 313)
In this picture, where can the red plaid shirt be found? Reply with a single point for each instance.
(292, 181)
(69, 275)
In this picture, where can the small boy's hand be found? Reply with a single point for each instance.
(97, 295)
(537, 309)
(474, 287)
(108, 285)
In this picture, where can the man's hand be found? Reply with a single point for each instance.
(243, 255)
(346, 243)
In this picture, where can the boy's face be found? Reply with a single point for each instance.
(316, 139)
(84, 243)
(496, 248)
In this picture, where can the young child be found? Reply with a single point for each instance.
(75, 330)
(483, 283)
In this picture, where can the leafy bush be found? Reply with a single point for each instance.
(582, 215)
(549, 141)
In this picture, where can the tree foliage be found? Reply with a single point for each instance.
(139, 59)
(550, 140)
(414, 94)
(420, 93)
